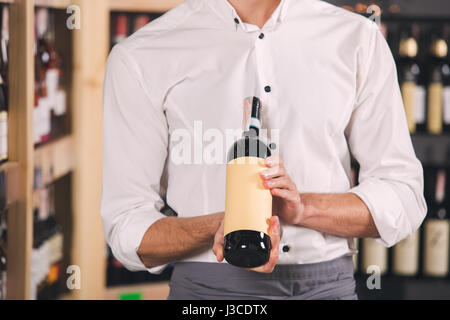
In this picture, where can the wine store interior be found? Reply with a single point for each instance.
(51, 77)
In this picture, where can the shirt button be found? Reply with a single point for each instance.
(261, 36)
(286, 248)
(236, 20)
(268, 89)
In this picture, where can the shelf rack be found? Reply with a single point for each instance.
(78, 153)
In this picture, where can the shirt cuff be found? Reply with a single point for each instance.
(386, 209)
(130, 239)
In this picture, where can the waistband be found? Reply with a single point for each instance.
(340, 265)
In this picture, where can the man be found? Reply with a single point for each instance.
(328, 84)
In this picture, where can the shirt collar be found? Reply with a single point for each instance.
(229, 15)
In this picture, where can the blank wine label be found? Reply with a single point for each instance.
(420, 98)
(374, 254)
(248, 204)
(435, 107)
(436, 247)
(406, 256)
(447, 105)
(409, 100)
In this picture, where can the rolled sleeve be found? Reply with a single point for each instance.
(391, 177)
(135, 138)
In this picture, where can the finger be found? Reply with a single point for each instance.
(219, 243)
(273, 172)
(218, 251)
(274, 233)
(283, 182)
(285, 194)
(274, 161)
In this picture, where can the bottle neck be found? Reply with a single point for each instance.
(255, 126)
(255, 116)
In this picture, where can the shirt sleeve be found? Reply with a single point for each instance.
(391, 177)
(135, 139)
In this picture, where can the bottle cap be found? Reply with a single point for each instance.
(408, 47)
(439, 48)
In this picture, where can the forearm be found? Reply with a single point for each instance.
(171, 239)
(343, 215)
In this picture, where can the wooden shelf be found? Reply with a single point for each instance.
(143, 5)
(55, 4)
(55, 159)
(11, 170)
(153, 291)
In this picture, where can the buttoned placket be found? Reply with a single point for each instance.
(267, 79)
(267, 76)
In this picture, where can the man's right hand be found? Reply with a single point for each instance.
(274, 234)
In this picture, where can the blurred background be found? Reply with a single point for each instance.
(52, 61)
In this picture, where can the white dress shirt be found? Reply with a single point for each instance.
(327, 81)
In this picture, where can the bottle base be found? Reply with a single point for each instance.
(247, 248)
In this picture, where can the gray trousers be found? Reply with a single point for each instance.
(329, 280)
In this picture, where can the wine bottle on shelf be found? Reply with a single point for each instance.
(120, 28)
(140, 21)
(439, 86)
(375, 255)
(356, 246)
(406, 256)
(4, 40)
(3, 256)
(3, 123)
(437, 231)
(248, 204)
(411, 82)
(47, 253)
(4, 53)
(45, 63)
(446, 93)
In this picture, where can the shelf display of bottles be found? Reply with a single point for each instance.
(50, 95)
(125, 24)
(118, 275)
(425, 79)
(47, 254)
(3, 253)
(426, 253)
(4, 55)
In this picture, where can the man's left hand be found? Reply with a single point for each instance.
(287, 201)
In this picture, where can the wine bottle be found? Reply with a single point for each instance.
(3, 256)
(438, 87)
(3, 123)
(413, 91)
(248, 204)
(121, 29)
(374, 254)
(45, 69)
(355, 249)
(406, 256)
(4, 40)
(437, 232)
(140, 21)
(4, 46)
